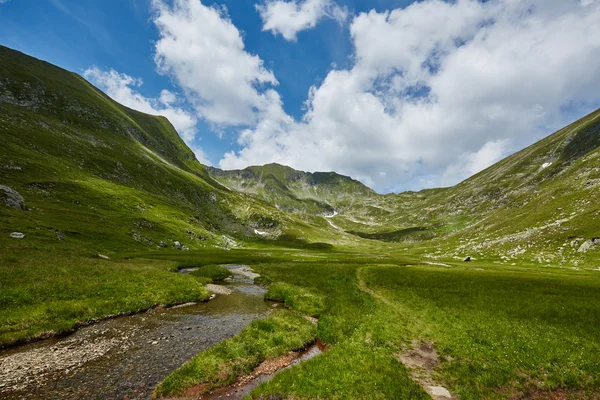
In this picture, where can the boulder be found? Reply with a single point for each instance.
(467, 259)
(163, 244)
(588, 245)
(12, 198)
(17, 235)
(177, 245)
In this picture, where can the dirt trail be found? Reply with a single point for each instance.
(421, 359)
(363, 286)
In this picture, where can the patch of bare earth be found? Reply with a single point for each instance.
(421, 359)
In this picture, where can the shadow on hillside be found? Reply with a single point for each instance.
(584, 142)
(291, 241)
(414, 233)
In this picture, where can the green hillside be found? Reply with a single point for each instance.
(536, 205)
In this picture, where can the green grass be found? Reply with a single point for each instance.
(213, 272)
(296, 298)
(222, 364)
(500, 332)
(503, 329)
(48, 292)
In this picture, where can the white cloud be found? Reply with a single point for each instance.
(287, 18)
(167, 98)
(122, 88)
(201, 49)
(438, 91)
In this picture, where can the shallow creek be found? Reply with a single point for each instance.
(126, 357)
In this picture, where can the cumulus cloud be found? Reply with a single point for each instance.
(201, 49)
(287, 18)
(123, 89)
(438, 91)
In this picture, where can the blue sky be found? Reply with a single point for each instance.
(396, 94)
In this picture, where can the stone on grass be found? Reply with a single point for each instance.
(162, 244)
(17, 235)
(439, 391)
(102, 256)
(467, 258)
(588, 245)
(12, 198)
(177, 245)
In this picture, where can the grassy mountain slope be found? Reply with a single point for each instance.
(535, 205)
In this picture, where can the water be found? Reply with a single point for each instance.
(238, 392)
(125, 358)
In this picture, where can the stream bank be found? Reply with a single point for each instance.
(127, 357)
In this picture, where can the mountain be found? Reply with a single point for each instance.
(126, 181)
(294, 191)
(102, 176)
(537, 204)
(534, 205)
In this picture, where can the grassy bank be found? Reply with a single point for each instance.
(49, 292)
(222, 364)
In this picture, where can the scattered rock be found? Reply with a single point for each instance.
(185, 248)
(163, 244)
(17, 235)
(102, 256)
(467, 259)
(177, 245)
(12, 198)
(60, 235)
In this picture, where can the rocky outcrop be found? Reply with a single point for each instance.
(588, 245)
(11, 198)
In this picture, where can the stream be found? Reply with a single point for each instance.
(126, 357)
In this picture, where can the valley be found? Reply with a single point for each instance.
(101, 207)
